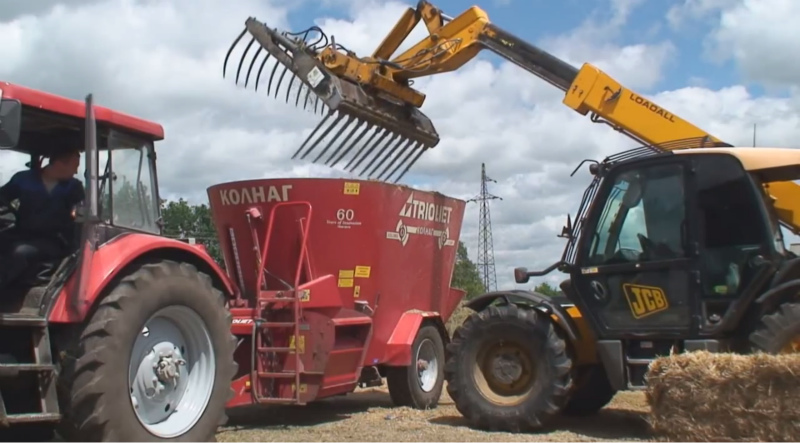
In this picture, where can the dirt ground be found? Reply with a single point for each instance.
(368, 415)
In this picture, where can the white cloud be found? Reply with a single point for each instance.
(163, 60)
(759, 35)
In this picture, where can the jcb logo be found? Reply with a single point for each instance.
(644, 300)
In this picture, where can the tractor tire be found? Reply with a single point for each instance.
(508, 369)
(778, 332)
(420, 384)
(165, 315)
(591, 393)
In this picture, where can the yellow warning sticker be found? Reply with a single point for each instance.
(305, 295)
(345, 282)
(362, 271)
(303, 387)
(302, 342)
(346, 273)
(351, 188)
(356, 291)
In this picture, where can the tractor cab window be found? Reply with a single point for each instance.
(643, 217)
(128, 183)
(733, 223)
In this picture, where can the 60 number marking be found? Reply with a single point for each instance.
(345, 214)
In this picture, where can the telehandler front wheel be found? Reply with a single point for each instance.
(154, 362)
(420, 385)
(508, 369)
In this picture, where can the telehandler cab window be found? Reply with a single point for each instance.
(734, 224)
(643, 217)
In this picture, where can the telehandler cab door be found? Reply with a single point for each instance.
(637, 254)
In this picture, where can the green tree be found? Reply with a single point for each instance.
(466, 275)
(545, 288)
(182, 220)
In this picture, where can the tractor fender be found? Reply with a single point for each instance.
(398, 348)
(113, 258)
(775, 295)
(546, 305)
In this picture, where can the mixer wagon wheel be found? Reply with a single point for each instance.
(420, 385)
(779, 331)
(508, 369)
(154, 361)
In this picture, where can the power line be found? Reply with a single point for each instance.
(485, 260)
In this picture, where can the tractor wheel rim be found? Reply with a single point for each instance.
(171, 372)
(427, 365)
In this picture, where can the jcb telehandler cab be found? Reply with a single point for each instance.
(671, 251)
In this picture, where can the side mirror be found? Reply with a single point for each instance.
(521, 275)
(10, 122)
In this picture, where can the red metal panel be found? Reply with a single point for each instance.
(390, 246)
(110, 259)
(398, 348)
(76, 108)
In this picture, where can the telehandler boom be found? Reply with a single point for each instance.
(373, 95)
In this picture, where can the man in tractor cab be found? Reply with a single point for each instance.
(45, 217)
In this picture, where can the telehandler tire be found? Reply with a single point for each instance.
(508, 369)
(779, 331)
(163, 319)
(592, 392)
(420, 385)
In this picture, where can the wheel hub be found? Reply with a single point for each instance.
(156, 389)
(506, 367)
(504, 373)
(171, 372)
(427, 365)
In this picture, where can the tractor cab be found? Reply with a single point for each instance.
(35, 125)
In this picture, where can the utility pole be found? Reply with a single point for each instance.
(485, 261)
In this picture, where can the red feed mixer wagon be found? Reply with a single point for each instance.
(358, 271)
(132, 336)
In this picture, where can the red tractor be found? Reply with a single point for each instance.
(136, 337)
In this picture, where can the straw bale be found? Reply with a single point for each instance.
(703, 396)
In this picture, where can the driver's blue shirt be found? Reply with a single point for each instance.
(41, 212)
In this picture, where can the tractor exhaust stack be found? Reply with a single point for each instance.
(359, 122)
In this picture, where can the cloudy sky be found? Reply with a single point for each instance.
(722, 64)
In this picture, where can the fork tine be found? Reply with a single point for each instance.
(352, 145)
(244, 56)
(260, 68)
(335, 138)
(319, 125)
(230, 50)
(409, 152)
(409, 142)
(330, 127)
(384, 154)
(252, 63)
(354, 125)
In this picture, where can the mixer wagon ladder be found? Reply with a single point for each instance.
(266, 368)
(36, 329)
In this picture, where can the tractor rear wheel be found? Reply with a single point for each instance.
(420, 385)
(508, 369)
(154, 361)
(778, 332)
